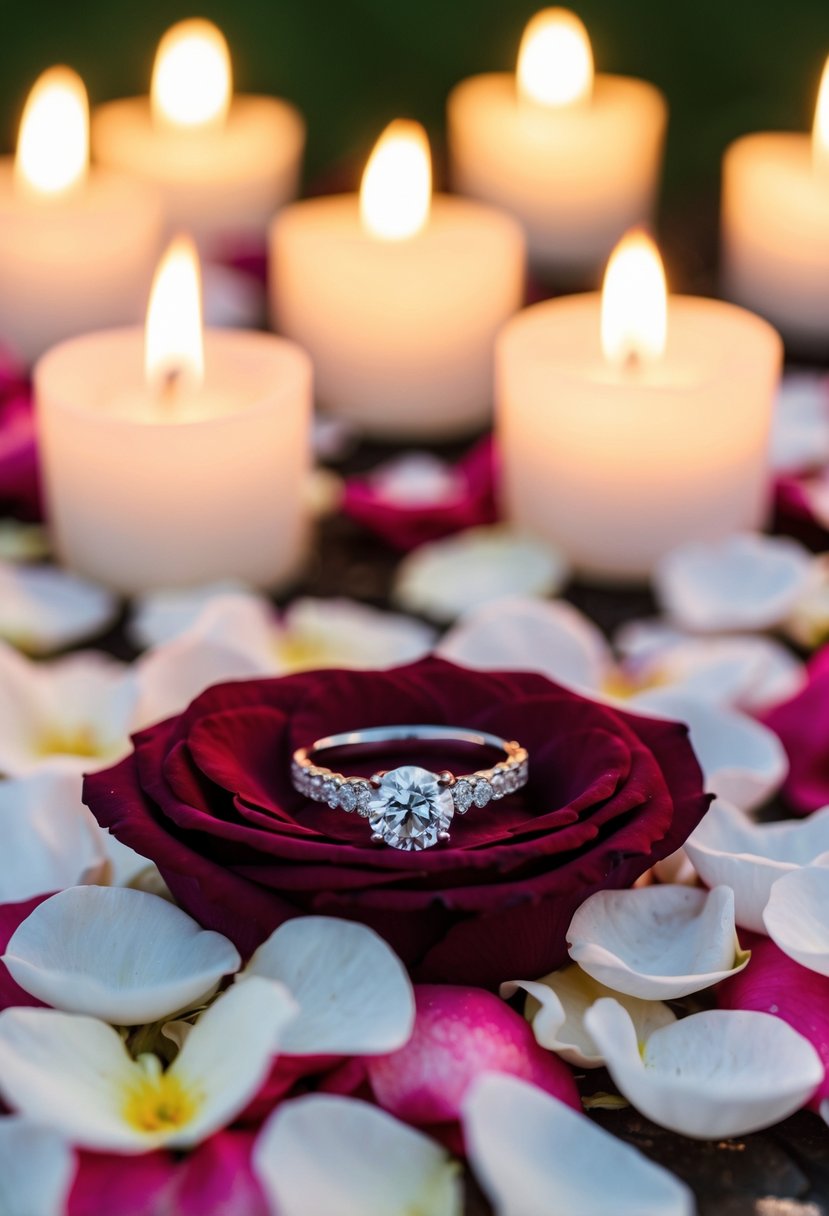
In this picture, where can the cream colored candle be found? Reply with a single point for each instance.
(629, 422)
(398, 295)
(576, 158)
(224, 163)
(77, 246)
(169, 460)
(775, 228)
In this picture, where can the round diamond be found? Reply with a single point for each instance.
(483, 792)
(348, 796)
(410, 809)
(464, 796)
(330, 792)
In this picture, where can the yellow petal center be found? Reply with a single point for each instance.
(80, 740)
(158, 1101)
(623, 684)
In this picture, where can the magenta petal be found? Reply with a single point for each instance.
(460, 1033)
(803, 726)
(405, 526)
(214, 1180)
(11, 917)
(774, 983)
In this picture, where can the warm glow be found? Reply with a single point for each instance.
(174, 342)
(555, 62)
(634, 302)
(820, 131)
(396, 192)
(53, 145)
(191, 84)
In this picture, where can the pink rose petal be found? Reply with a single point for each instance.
(460, 1033)
(774, 983)
(802, 724)
(11, 917)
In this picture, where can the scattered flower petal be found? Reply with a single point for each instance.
(556, 1006)
(160, 616)
(514, 634)
(416, 498)
(373, 1165)
(36, 1169)
(747, 581)
(459, 1033)
(659, 942)
(535, 1157)
(802, 724)
(117, 954)
(444, 579)
(73, 1072)
(353, 992)
(44, 609)
(743, 761)
(808, 622)
(797, 916)
(21, 542)
(50, 839)
(713, 1074)
(774, 983)
(730, 848)
(74, 713)
(800, 427)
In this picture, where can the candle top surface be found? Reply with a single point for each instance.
(706, 340)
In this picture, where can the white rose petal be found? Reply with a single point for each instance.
(352, 989)
(417, 479)
(536, 1157)
(719, 1073)
(160, 616)
(44, 609)
(447, 578)
(73, 1073)
(743, 761)
(658, 942)
(73, 714)
(373, 1165)
(557, 1005)
(37, 1168)
(747, 582)
(117, 954)
(313, 634)
(728, 847)
(50, 839)
(797, 915)
(800, 429)
(514, 634)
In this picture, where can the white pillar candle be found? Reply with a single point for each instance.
(168, 464)
(398, 295)
(223, 163)
(775, 228)
(77, 246)
(576, 159)
(628, 424)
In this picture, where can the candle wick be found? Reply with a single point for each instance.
(633, 361)
(169, 387)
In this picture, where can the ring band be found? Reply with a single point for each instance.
(409, 807)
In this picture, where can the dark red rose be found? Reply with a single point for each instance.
(208, 797)
(803, 726)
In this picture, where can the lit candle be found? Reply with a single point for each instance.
(77, 246)
(224, 162)
(630, 421)
(173, 457)
(398, 294)
(575, 157)
(775, 228)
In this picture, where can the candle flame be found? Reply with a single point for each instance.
(555, 61)
(192, 77)
(820, 130)
(634, 321)
(173, 340)
(396, 191)
(53, 145)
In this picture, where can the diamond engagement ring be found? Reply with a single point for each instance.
(409, 807)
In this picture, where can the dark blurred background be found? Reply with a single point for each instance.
(351, 65)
